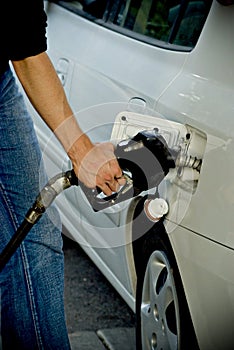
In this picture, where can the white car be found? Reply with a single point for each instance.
(166, 67)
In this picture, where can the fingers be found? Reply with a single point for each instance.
(100, 168)
(121, 180)
(110, 177)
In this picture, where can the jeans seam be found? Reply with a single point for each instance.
(31, 296)
(25, 268)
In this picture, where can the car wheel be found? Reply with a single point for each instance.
(162, 317)
(159, 309)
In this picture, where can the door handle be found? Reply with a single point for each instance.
(62, 69)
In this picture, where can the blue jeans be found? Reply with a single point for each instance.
(32, 282)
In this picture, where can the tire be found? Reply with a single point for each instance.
(162, 317)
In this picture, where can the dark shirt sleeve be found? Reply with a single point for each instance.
(27, 29)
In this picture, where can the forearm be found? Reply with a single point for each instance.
(45, 92)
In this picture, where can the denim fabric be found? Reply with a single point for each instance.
(32, 283)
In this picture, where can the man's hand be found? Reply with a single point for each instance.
(99, 168)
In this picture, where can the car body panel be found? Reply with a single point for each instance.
(196, 93)
(207, 276)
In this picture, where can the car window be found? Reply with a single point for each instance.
(174, 22)
(170, 21)
(88, 8)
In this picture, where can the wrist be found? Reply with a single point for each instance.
(72, 137)
(78, 150)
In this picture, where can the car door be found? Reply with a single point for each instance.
(105, 57)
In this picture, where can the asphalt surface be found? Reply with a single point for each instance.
(97, 317)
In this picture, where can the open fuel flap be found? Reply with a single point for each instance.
(185, 143)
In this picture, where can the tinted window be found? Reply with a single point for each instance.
(171, 21)
(90, 8)
(177, 22)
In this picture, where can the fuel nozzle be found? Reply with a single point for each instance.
(145, 160)
(147, 157)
